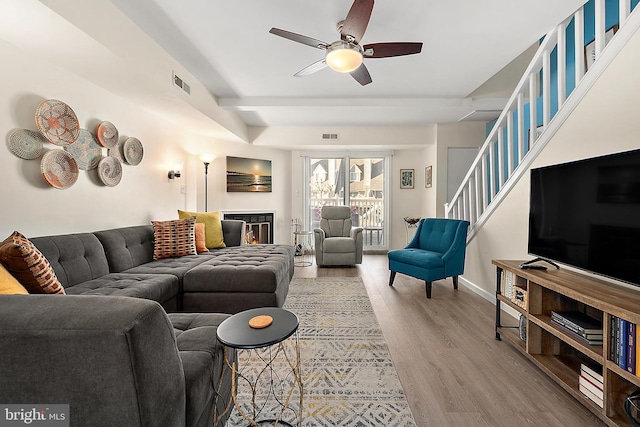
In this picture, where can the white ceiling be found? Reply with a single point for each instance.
(226, 45)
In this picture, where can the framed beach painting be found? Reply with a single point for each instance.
(248, 175)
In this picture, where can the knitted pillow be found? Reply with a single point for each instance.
(174, 238)
(27, 264)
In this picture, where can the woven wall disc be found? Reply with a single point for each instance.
(59, 169)
(26, 144)
(57, 122)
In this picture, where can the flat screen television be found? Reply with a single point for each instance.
(586, 214)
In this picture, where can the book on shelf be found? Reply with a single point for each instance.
(507, 284)
(591, 396)
(613, 336)
(578, 322)
(593, 388)
(622, 339)
(588, 339)
(631, 348)
(592, 372)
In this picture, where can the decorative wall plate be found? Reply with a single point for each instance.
(107, 134)
(85, 150)
(26, 144)
(133, 151)
(59, 169)
(118, 151)
(110, 171)
(57, 122)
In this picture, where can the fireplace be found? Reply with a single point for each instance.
(259, 226)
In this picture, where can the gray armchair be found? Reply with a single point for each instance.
(336, 241)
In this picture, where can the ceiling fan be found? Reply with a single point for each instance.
(346, 55)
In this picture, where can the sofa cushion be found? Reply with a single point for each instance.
(156, 287)
(9, 284)
(27, 264)
(75, 258)
(339, 245)
(175, 266)
(127, 247)
(203, 360)
(212, 227)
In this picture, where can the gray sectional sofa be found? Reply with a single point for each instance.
(148, 360)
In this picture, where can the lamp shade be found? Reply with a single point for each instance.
(344, 57)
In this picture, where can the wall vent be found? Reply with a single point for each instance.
(333, 136)
(181, 84)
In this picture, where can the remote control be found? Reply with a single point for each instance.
(533, 267)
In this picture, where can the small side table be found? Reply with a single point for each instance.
(235, 332)
(303, 243)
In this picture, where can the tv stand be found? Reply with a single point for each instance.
(529, 264)
(559, 353)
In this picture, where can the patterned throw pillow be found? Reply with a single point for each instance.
(174, 238)
(27, 264)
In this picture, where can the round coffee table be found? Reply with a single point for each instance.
(267, 346)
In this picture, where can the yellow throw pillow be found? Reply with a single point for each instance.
(212, 227)
(9, 284)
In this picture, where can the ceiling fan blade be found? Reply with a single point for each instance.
(309, 41)
(357, 20)
(386, 50)
(362, 75)
(310, 69)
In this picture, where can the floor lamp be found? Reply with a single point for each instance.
(206, 186)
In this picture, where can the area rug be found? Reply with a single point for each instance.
(347, 373)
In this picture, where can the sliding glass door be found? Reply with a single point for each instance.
(358, 182)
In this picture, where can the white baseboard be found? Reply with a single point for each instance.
(489, 296)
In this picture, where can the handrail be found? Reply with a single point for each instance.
(506, 152)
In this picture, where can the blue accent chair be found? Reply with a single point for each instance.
(436, 252)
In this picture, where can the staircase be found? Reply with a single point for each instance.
(553, 84)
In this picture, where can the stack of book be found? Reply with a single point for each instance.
(580, 325)
(622, 347)
(591, 383)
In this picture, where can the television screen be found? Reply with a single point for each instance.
(587, 214)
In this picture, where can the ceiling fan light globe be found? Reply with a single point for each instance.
(344, 57)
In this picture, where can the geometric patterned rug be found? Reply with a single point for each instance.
(347, 373)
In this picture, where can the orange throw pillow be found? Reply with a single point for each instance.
(201, 245)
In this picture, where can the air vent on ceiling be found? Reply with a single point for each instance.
(181, 84)
(334, 136)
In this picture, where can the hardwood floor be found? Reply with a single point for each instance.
(453, 371)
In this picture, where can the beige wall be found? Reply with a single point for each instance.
(144, 194)
(604, 122)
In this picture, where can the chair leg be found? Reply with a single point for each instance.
(391, 278)
(428, 287)
(455, 282)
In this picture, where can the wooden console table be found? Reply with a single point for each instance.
(555, 350)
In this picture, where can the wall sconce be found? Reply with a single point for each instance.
(174, 174)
